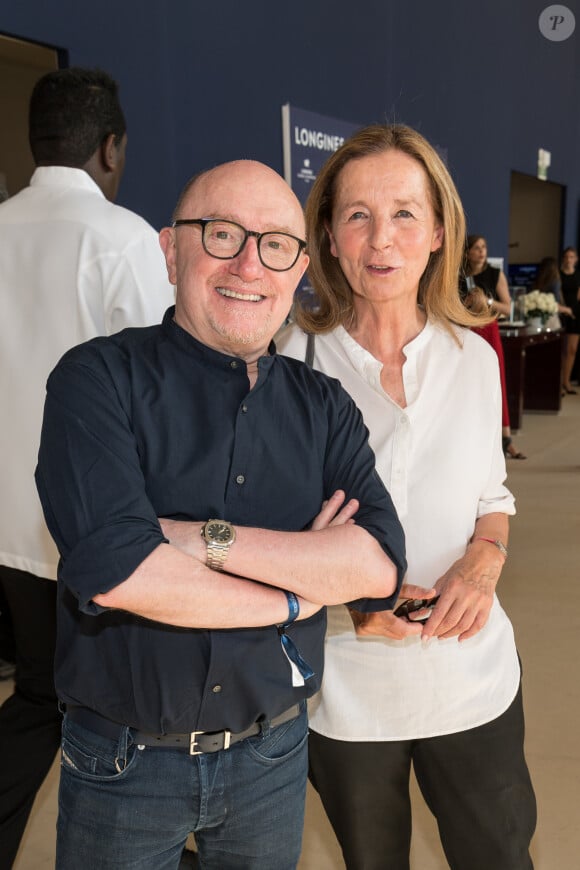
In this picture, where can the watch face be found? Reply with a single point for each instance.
(220, 532)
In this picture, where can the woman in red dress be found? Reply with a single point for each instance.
(485, 286)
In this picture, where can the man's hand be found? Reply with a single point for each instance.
(385, 623)
(333, 561)
(186, 534)
(334, 512)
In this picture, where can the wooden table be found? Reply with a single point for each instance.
(532, 363)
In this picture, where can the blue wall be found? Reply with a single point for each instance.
(203, 82)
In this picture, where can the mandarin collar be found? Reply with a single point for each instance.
(364, 362)
(192, 346)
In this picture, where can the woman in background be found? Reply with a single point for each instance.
(385, 235)
(548, 280)
(487, 277)
(493, 284)
(571, 296)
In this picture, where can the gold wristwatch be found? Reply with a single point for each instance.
(219, 536)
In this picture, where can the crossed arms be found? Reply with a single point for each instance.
(102, 508)
(334, 562)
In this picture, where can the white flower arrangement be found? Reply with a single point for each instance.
(538, 304)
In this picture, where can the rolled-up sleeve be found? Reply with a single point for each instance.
(495, 496)
(90, 482)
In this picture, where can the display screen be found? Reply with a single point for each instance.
(523, 275)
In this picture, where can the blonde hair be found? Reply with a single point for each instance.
(438, 287)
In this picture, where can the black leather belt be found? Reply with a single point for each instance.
(195, 742)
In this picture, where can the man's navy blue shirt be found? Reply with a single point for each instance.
(150, 423)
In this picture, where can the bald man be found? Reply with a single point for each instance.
(202, 493)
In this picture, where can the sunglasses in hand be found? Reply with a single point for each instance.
(413, 605)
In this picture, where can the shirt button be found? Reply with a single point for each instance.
(244, 409)
(240, 479)
(217, 689)
(234, 364)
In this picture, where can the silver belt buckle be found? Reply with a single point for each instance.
(193, 742)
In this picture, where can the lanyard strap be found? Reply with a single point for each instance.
(301, 670)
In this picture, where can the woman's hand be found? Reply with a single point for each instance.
(385, 623)
(476, 301)
(466, 594)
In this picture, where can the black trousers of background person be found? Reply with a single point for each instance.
(476, 783)
(30, 722)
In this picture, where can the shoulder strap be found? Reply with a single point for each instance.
(309, 358)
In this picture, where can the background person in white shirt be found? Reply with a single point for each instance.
(385, 231)
(72, 266)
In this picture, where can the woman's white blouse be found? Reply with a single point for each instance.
(442, 461)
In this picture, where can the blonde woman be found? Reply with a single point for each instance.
(386, 231)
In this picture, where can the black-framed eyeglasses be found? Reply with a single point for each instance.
(224, 240)
(412, 605)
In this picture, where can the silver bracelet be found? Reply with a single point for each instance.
(497, 543)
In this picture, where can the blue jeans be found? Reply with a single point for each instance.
(121, 806)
